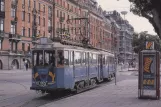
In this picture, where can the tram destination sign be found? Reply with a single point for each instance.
(149, 72)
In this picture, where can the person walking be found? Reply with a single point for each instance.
(26, 65)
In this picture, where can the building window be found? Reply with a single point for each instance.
(64, 16)
(39, 20)
(64, 4)
(34, 4)
(23, 31)
(68, 6)
(2, 5)
(2, 25)
(28, 32)
(14, 46)
(49, 23)
(0, 44)
(28, 17)
(57, 25)
(23, 2)
(13, 29)
(23, 46)
(44, 8)
(28, 47)
(60, 13)
(23, 16)
(13, 12)
(39, 7)
(44, 34)
(49, 11)
(57, 13)
(29, 3)
(43, 21)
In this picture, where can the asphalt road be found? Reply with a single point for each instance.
(15, 90)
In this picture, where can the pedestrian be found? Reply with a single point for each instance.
(27, 66)
(24, 64)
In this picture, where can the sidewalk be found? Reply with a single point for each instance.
(124, 94)
(14, 71)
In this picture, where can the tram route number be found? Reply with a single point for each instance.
(148, 82)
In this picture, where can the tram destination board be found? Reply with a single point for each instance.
(149, 72)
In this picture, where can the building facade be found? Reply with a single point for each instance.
(21, 21)
(76, 22)
(125, 49)
(84, 19)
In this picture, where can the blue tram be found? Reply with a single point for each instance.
(57, 66)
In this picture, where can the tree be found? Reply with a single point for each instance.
(139, 41)
(149, 9)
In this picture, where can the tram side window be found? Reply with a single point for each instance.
(107, 60)
(84, 58)
(60, 60)
(94, 59)
(90, 58)
(110, 60)
(104, 60)
(77, 58)
(66, 57)
(71, 58)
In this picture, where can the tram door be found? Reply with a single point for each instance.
(100, 67)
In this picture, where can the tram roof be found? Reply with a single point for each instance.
(46, 43)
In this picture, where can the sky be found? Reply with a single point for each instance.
(139, 23)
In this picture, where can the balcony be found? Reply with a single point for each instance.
(61, 19)
(14, 3)
(34, 11)
(14, 37)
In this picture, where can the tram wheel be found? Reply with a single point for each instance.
(93, 82)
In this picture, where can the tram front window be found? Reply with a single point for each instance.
(37, 58)
(49, 57)
(43, 58)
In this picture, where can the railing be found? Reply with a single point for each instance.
(14, 36)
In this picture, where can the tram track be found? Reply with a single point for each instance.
(27, 98)
(59, 96)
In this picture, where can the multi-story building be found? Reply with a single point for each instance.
(21, 21)
(125, 37)
(82, 19)
(69, 21)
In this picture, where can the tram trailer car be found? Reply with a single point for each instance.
(62, 67)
